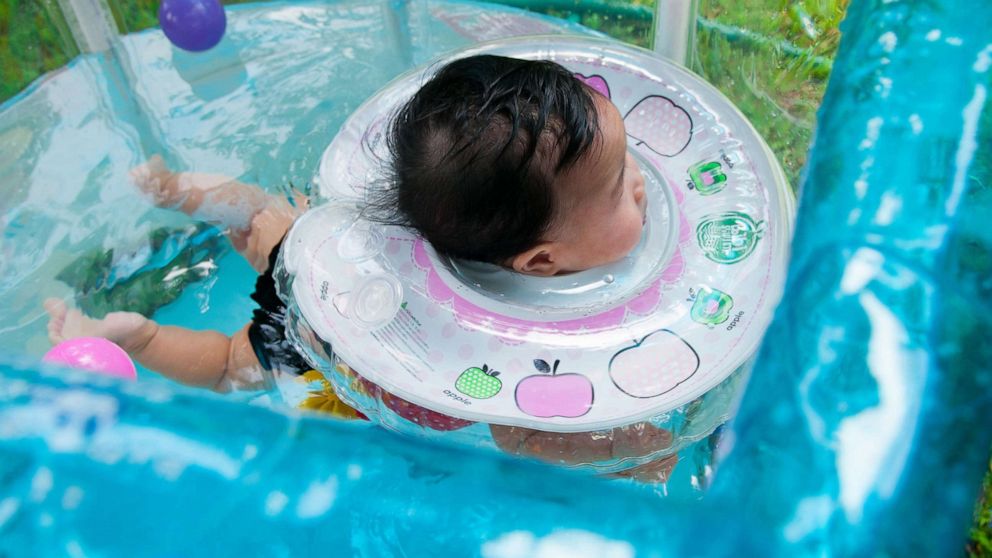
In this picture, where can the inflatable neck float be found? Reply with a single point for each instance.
(638, 340)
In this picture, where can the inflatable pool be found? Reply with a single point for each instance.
(862, 432)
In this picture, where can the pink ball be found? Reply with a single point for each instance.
(95, 354)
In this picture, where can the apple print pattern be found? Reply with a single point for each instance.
(422, 415)
(639, 372)
(660, 125)
(596, 82)
(403, 408)
(711, 306)
(729, 237)
(717, 199)
(708, 178)
(551, 394)
(479, 383)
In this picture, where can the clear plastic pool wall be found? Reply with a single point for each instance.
(863, 431)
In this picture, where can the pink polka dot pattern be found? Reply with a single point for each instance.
(494, 345)
(448, 331)
(435, 357)
(465, 352)
(660, 124)
(712, 336)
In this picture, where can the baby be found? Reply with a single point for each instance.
(518, 163)
(494, 159)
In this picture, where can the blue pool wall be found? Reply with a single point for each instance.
(864, 431)
(866, 426)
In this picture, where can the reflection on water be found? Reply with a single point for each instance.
(261, 107)
(904, 281)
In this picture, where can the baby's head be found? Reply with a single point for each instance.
(517, 163)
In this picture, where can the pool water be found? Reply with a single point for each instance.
(261, 107)
(867, 412)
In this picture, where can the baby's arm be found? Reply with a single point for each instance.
(253, 220)
(214, 198)
(198, 358)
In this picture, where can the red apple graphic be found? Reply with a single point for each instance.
(550, 394)
(422, 415)
(413, 412)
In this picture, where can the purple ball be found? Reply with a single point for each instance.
(193, 25)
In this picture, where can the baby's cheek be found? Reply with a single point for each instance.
(635, 236)
(632, 230)
(634, 168)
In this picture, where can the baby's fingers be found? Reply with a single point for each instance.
(153, 168)
(56, 309)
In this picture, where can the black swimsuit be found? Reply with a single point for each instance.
(267, 332)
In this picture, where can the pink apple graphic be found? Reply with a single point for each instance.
(654, 365)
(596, 82)
(550, 394)
(659, 124)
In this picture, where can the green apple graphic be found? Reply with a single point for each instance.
(711, 306)
(707, 177)
(479, 383)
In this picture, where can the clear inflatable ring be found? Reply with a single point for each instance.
(600, 349)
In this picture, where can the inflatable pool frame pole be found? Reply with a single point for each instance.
(673, 29)
(864, 431)
(91, 23)
(868, 420)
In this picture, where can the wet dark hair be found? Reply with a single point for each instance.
(475, 152)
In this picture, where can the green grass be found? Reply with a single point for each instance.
(772, 59)
(777, 83)
(980, 544)
(33, 40)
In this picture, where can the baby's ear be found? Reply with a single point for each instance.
(539, 260)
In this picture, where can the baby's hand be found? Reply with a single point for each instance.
(130, 330)
(156, 180)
